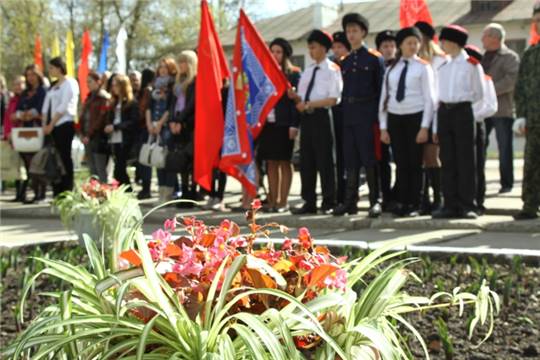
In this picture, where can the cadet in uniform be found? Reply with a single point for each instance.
(362, 71)
(460, 84)
(319, 89)
(482, 109)
(340, 48)
(405, 115)
(386, 45)
(527, 97)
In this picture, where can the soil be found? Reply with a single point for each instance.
(516, 334)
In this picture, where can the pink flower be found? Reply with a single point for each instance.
(161, 237)
(239, 242)
(305, 265)
(287, 245)
(170, 224)
(256, 204)
(337, 280)
(190, 268)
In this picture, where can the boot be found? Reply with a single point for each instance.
(375, 209)
(349, 205)
(435, 180)
(425, 205)
(18, 187)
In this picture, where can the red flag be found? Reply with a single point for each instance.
(83, 67)
(534, 37)
(212, 70)
(257, 84)
(411, 11)
(38, 59)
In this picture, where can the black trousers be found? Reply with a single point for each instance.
(407, 155)
(385, 174)
(120, 156)
(337, 117)
(457, 143)
(480, 163)
(316, 156)
(63, 137)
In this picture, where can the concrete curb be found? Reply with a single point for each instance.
(485, 223)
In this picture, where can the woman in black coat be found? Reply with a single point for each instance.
(276, 141)
(182, 122)
(122, 125)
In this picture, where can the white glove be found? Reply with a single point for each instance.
(519, 126)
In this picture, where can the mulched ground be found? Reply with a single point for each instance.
(517, 328)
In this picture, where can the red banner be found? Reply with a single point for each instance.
(83, 67)
(411, 11)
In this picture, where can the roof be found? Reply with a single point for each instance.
(382, 15)
(517, 10)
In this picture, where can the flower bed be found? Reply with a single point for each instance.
(209, 292)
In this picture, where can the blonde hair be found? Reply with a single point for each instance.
(429, 49)
(169, 64)
(124, 87)
(190, 58)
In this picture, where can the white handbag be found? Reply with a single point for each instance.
(27, 139)
(153, 154)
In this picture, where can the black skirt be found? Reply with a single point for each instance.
(274, 143)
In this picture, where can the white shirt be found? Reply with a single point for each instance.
(116, 136)
(62, 99)
(328, 82)
(460, 80)
(488, 106)
(419, 91)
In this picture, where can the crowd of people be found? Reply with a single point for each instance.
(428, 106)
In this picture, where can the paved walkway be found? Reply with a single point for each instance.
(495, 233)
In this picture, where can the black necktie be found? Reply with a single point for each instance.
(311, 83)
(400, 95)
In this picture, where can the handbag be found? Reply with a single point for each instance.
(47, 165)
(180, 158)
(10, 162)
(153, 154)
(27, 139)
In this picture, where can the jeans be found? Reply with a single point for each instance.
(97, 163)
(166, 178)
(505, 139)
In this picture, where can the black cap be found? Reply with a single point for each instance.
(386, 35)
(340, 37)
(426, 29)
(321, 37)
(454, 33)
(536, 7)
(284, 44)
(474, 52)
(355, 18)
(406, 32)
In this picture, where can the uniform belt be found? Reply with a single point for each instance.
(454, 105)
(355, 100)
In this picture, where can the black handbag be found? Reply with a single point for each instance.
(179, 158)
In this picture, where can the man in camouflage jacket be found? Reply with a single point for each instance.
(527, 99)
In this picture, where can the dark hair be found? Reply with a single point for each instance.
(36, 70)
(109, 82)
(57, 62)
(95, 76)
(147, 76)
(387, 97)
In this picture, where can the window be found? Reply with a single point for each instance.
(518, 45)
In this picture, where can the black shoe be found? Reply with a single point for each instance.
(505, 190)
(304, 210)
(444, 213)
(413, 212)
(143, 195)
(522, 215)
(400, 210)
(343, 209)
(238, 209)
(468, 214)
(375, 211)
(30, 202)
(268, 209)
(481, 210)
